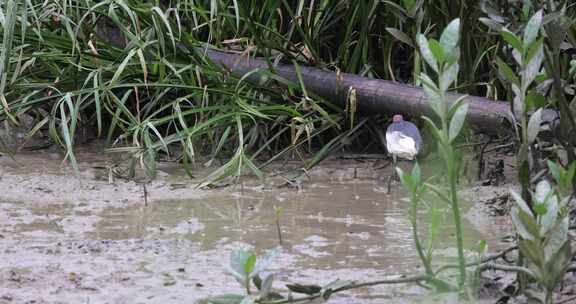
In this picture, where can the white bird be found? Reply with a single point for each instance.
(403, 140)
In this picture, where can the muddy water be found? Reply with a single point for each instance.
(172, 251)
(65, 241)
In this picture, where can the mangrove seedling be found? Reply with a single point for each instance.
(245, 266)
(544, 238)
(442, 57)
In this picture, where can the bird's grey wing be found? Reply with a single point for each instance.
(410, 129)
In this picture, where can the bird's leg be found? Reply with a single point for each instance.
(393, 175)
(481, 165)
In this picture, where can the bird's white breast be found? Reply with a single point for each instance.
(401, 145)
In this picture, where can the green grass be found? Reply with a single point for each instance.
(150, 91)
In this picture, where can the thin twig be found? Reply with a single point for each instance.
(569, 300)
(499, 147)
(410, 279)
(481, 157)
(487, 259)
(145, 194)
(494, 266)
(277, 212)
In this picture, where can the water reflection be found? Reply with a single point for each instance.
(349, 230)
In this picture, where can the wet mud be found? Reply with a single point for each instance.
(70, 240)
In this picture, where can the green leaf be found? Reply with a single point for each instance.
(512, 39)
(532, 28)
(428, 82)
(122, 66)
(406, 179)
(431, 91)
(249, 264)
(533, 49)
(535, 100)
(435, 224)
(481, 246)
(449, 76)
(532, 250)
(266, 260)
(267, 285)
(432, 127)
(557, 236)
(439, 192)
(336, 284)
(543, 191)
(456, 105)
(162, 16)
(548, 219)
(520, 202)
(507, 72)
(540, 209)
(533, 68)
(408, 4)
(434, 100)
(557, 24)
(225, 299)
(257, 282)
(529, 223)
(450, 37)
(572, 71)
(566, 181)
(534, 126)
(248, 300)
(239, 259)
(558, 264)
(524, 170)
(437, 50)
(304, 289)
(426, 52)
(520, 227)
(441, 285)
(416, 175)
(400, 36)
(250, 164)
(491, 24)
(457, 121)
(68, 132)
(555, 170)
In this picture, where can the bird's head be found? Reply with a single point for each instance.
(397, 118)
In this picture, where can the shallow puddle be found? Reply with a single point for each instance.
(173, 251)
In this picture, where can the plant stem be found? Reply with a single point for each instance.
(414, 198)
(459, 239)
(518, 269)
(452, 178)
(278, 229)
(485, 260)
(410, 279)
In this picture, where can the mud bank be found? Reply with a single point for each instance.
(70, 240)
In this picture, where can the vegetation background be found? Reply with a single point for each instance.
(135, 71)
(135, 74)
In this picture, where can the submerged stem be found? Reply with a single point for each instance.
(414, 198)
(458, 223)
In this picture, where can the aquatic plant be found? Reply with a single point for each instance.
(245, 266)
(536, 54)
(536, 51)
(136, 74)
(543, 230)
(528, 54)
(442, 58)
